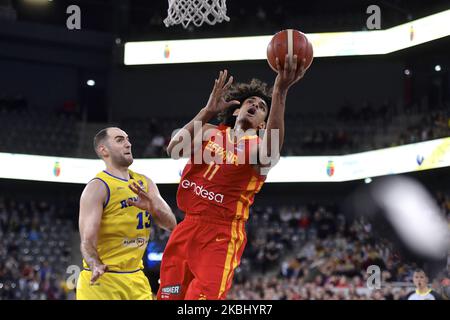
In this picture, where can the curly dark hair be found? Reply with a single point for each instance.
(241, 92)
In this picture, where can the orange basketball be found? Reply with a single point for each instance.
(289, 42)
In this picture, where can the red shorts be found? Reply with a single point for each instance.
(200, 258)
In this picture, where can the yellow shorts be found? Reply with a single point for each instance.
(114, 286)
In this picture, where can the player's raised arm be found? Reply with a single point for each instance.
(91, 210)
(152, 202)
(287, 76)
(184, 138)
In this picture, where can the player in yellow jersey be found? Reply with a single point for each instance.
(116, 211)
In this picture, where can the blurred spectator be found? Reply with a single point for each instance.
(422, 292)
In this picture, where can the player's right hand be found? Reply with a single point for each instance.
(217, 102)
(97, 271)
(290, 74)
(143, 201)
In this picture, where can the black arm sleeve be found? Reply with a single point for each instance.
(408, 295)
(436, 295)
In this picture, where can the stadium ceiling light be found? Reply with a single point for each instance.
(90, 83)
(328, 44)
(407, 72)
(437, 68)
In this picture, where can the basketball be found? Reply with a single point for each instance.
(291, 42)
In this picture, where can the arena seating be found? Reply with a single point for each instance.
(349, 130)
(35, 249)
(33, 132)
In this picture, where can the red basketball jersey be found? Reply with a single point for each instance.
(222, 189)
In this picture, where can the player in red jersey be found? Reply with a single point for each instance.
(219, 183)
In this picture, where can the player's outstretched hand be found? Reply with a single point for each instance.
(97, 271)
(290, 73)
(217, 102)
(143, 201)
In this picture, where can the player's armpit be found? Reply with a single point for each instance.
(181, 144)
(264, 162)
(207, 131)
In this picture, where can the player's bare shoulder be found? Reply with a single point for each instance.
(95, 189)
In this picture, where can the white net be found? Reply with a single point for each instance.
(196, 11)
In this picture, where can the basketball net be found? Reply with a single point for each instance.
(196, 11)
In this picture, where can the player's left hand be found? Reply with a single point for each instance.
(290, 73)
(143, 201)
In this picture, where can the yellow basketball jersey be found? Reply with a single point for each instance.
(124, 230)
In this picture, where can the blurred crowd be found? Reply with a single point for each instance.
(276, 288)
(35, 250)
(311, 251)
(431, 126)
(351, 129)
(316, 252)
(368, 128)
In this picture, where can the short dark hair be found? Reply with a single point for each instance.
(241, 92)
(99, 138)
(418, 270)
